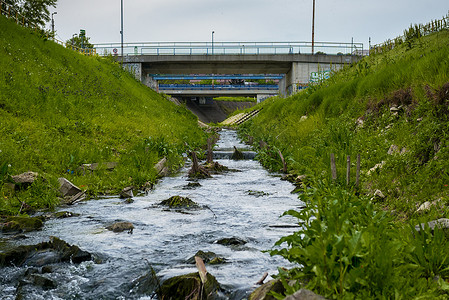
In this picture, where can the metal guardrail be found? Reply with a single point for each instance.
(227, 48)
(218, 77)
(219, 87)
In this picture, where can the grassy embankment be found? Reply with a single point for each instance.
(360, 245)
(60, 109)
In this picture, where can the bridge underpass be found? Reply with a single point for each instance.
(293, 61)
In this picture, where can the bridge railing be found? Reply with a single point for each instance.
(273, 87)
(228, 48)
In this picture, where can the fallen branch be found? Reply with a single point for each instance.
(264, 276)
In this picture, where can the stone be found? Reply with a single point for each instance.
(44, 282)
(121, 226)
(65, 214)
(24, 180)
(375, 168)
(442, 223)
(67, 188)
(304, 294)
(161, 167)
(393, 150)
(179, 202)
(127, 192)
(56, 250)
(208, 257)
(231, 241)
(424, 207)
(191, 186)
(190, 287)
(14, 225)
(262, 292)
(378, 194)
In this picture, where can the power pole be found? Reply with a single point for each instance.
(121, 30)
(313, 27)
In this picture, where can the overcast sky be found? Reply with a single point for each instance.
(243, 20)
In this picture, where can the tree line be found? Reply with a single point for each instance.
(36, 12)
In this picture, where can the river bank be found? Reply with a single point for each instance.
(245, 203)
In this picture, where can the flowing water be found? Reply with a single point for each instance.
(245, 203)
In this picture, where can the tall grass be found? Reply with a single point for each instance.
(391, 108)
(60, 109)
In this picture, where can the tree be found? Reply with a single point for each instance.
(35, 12)
(80, 41)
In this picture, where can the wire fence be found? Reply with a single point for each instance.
(10, 12)
(415, 31)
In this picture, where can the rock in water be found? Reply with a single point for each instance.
(67, 188)
(121, 226)
(127, 193)
(179, 202)
(54, 251)
(14, 225)
(190, 287)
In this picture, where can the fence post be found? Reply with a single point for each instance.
(348, 170)
(357, 175)
(333, 167)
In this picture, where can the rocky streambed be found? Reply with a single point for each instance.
(84, 254)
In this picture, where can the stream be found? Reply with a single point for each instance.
(245, 203)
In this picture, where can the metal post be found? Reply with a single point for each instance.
(53, 23)
(213, 42)
(313, 27)
(121, 29)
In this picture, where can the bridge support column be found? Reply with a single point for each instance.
(136, 70)
(303, 74)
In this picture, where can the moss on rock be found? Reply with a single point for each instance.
(189, 286)
(179, 202)
(20, 224)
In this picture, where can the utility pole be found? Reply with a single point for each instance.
(213, 42)
(53, 24)
(313, 27)
(121, 30)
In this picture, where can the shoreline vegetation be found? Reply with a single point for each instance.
(388, 236)
(62, 113)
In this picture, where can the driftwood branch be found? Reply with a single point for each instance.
(201, 269)
(264, 276)
(284, 164)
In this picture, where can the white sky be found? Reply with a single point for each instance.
(243, 20)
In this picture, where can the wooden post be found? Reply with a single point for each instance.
(209, 151)
(348, 170)
(284, 164)
(357, 175)
(333, 167)
(195, 165)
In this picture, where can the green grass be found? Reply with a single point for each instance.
(60, 109)
(354, 245)
(308, 126)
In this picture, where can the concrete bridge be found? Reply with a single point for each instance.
(293, 62)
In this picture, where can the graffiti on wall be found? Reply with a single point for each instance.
(320, 76)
